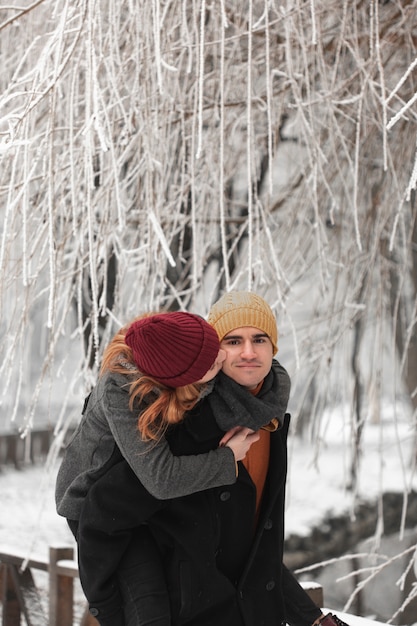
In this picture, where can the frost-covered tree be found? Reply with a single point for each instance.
(154, 154)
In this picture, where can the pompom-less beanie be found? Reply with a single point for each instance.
(175, 348)
(243, 308)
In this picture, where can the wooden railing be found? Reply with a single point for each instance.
(18, 451)
(21, 598)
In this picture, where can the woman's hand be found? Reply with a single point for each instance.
(239, 439)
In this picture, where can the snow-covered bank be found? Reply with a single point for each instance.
(319, 473)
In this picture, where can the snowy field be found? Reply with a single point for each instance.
(319, 473)
(316, 483)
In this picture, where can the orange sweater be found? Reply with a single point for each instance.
(257, 458)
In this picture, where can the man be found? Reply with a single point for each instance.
(251, 511)
(221, 549)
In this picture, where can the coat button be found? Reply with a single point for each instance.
(268, 524)
(94, 612)
(270, 585)
(224, 496)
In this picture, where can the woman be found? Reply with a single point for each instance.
(153, 371)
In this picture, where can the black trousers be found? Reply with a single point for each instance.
(141, 583)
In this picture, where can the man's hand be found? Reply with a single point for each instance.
(239, 439)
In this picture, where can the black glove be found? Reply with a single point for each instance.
(332, 620)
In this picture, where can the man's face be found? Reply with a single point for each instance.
(248, 355)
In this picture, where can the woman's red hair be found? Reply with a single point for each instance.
(165, 405)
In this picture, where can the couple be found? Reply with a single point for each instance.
(174, 481)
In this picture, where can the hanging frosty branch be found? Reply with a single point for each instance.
(153, 154)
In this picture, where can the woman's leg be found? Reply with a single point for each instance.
(142, 582)
(113, 515)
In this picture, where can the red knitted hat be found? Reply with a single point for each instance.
(175, 348)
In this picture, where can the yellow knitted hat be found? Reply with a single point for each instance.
(243, 308)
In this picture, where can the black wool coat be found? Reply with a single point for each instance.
(220, 570)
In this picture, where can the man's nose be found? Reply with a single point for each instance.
(248, 351)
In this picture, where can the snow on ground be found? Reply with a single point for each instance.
(319, 473)
(28, 518)
(316, 483)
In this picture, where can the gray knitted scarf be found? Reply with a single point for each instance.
(230, 401)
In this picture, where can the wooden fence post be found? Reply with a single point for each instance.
(28, 596)
(20, 595)
(315, 591)
(11, 608)
(61, 589)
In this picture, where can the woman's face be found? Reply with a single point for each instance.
(215, 368)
